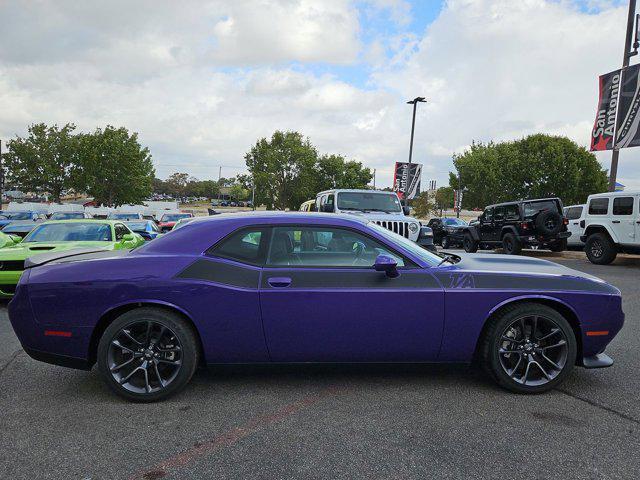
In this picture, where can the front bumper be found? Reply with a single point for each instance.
(8, 282)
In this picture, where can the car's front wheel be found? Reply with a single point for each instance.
(445, 242)
(147, 354)
(528, 348)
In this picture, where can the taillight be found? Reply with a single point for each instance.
(565, 220)
(582, 223)
(524, 225)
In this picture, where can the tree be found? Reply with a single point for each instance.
(177, 184)
(423, 206)
(202, 188)
(282, 169)
(537, 166)
(444, 198)
(288, 170)
(43, 161)
(238, 192)
(333, 171)
(113, 167)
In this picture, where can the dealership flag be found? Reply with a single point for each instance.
(618, 120)
(604, 127)
(406, 179)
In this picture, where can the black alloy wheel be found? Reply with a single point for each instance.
(511, 245)
(445, 242)
(600, 249)
(469, 244)
(530, 348)
(147, 354)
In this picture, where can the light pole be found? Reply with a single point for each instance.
(413, 102)
(613, 173)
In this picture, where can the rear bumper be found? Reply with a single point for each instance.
(540, 240)
(56, 359)
(600, 360)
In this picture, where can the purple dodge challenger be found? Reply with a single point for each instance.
(291, 287)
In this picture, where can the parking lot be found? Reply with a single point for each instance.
(390, 421)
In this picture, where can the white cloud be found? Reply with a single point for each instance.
(202, 81)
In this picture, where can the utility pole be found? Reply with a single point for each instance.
(374, 178)
(613, 173)
(459, 200)
(413, 102)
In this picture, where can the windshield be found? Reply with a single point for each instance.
(430, 258)
(454, 221)
(532, 208)
(66, 215)
(369, 202)
(137, 225)
(70, 232)
(17, 215)
(174, 217)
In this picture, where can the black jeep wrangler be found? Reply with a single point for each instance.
(514, 225)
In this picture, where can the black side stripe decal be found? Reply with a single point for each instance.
(336, 279)
(489, 281)
(224, 273)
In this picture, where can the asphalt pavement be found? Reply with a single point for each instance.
(331, 422)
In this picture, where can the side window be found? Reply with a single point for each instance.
(121, 231)
(623, 206)
(573, 213)
(325, 247)
(598, 206)
(247, 245)
(512, 212)
(488, 215)
(499, 214)
(330, 200)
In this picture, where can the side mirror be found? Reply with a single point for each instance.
(406, 210)
(386, 264)
(128, 237)
(15, 238)
(327, 208)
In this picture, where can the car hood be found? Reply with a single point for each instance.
(21, 251)
(492, 263)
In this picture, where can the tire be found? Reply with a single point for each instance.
(600, 249)
(147, 364)
(498, 355)
(559, 246)
(469, 244)
(445, 242)
(548, 223)
(511, 245)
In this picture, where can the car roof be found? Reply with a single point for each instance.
(83, 220)
(517, 202)
(623, 193)
(265, 216)
(354, 190)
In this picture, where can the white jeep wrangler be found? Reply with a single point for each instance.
(381, 207)
(611, 224)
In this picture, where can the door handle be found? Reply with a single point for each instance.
(279, 282)
(575, 223)
(615, 221)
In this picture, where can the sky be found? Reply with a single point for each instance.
(202, 81)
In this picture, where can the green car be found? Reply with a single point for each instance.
(61, 235)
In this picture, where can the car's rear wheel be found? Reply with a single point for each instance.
(469, 244)
(600, 249)
(511, 245)
(528, 348)
(147, 354)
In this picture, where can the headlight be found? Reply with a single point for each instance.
(413, 227)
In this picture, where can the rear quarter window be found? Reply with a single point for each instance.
(623, 205)
(574, 213)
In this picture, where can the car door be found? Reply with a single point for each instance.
(322, 301)
(486, 225)
(623, 218)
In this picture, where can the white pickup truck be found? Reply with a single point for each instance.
(611, 225)
(381, 207)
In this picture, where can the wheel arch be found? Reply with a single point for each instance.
(598, 228)
(111, 314)
(473, 232)
(558, 305)
(508, 229)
